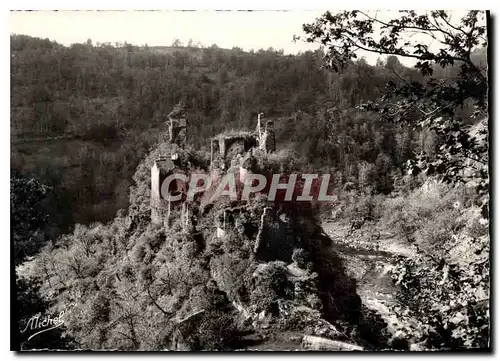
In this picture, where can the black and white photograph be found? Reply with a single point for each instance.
(250, 180)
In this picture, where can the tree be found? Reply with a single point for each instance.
(28, 218)
(430, 103)
(393, 63)
(347, 32)
(176, 43)
(365, 175)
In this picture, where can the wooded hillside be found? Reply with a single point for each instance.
(111, 102)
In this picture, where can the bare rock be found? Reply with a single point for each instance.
(315, 343)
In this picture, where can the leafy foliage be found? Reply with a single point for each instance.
(27, 216)
(444, 289)
(430, 102)
(29, 304)
(450, 306)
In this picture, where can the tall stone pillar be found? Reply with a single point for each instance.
(159, 206)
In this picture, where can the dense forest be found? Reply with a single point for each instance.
(87, 121)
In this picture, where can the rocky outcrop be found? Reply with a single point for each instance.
(314, 343)
(248, 253)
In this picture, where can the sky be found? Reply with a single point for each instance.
(245, 29)
(248, 30)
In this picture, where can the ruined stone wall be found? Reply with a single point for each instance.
(157, 205)
(225, 150)
(268, 140)
(158, 173)
(234, 147)
(276, 238)
(215, 153)
(248, 165)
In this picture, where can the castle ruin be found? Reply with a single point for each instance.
(267, 141)
(227, 151)
(161, 208)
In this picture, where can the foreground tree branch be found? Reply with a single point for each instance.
(431, 101)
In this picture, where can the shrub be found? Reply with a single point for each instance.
(272, 284)
(216, 332)
(300, 257)
(444, 300)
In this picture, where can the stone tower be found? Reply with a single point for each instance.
(159, 206)
(259, 128)
(163, 210)
(267, 141)
(178, 124)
